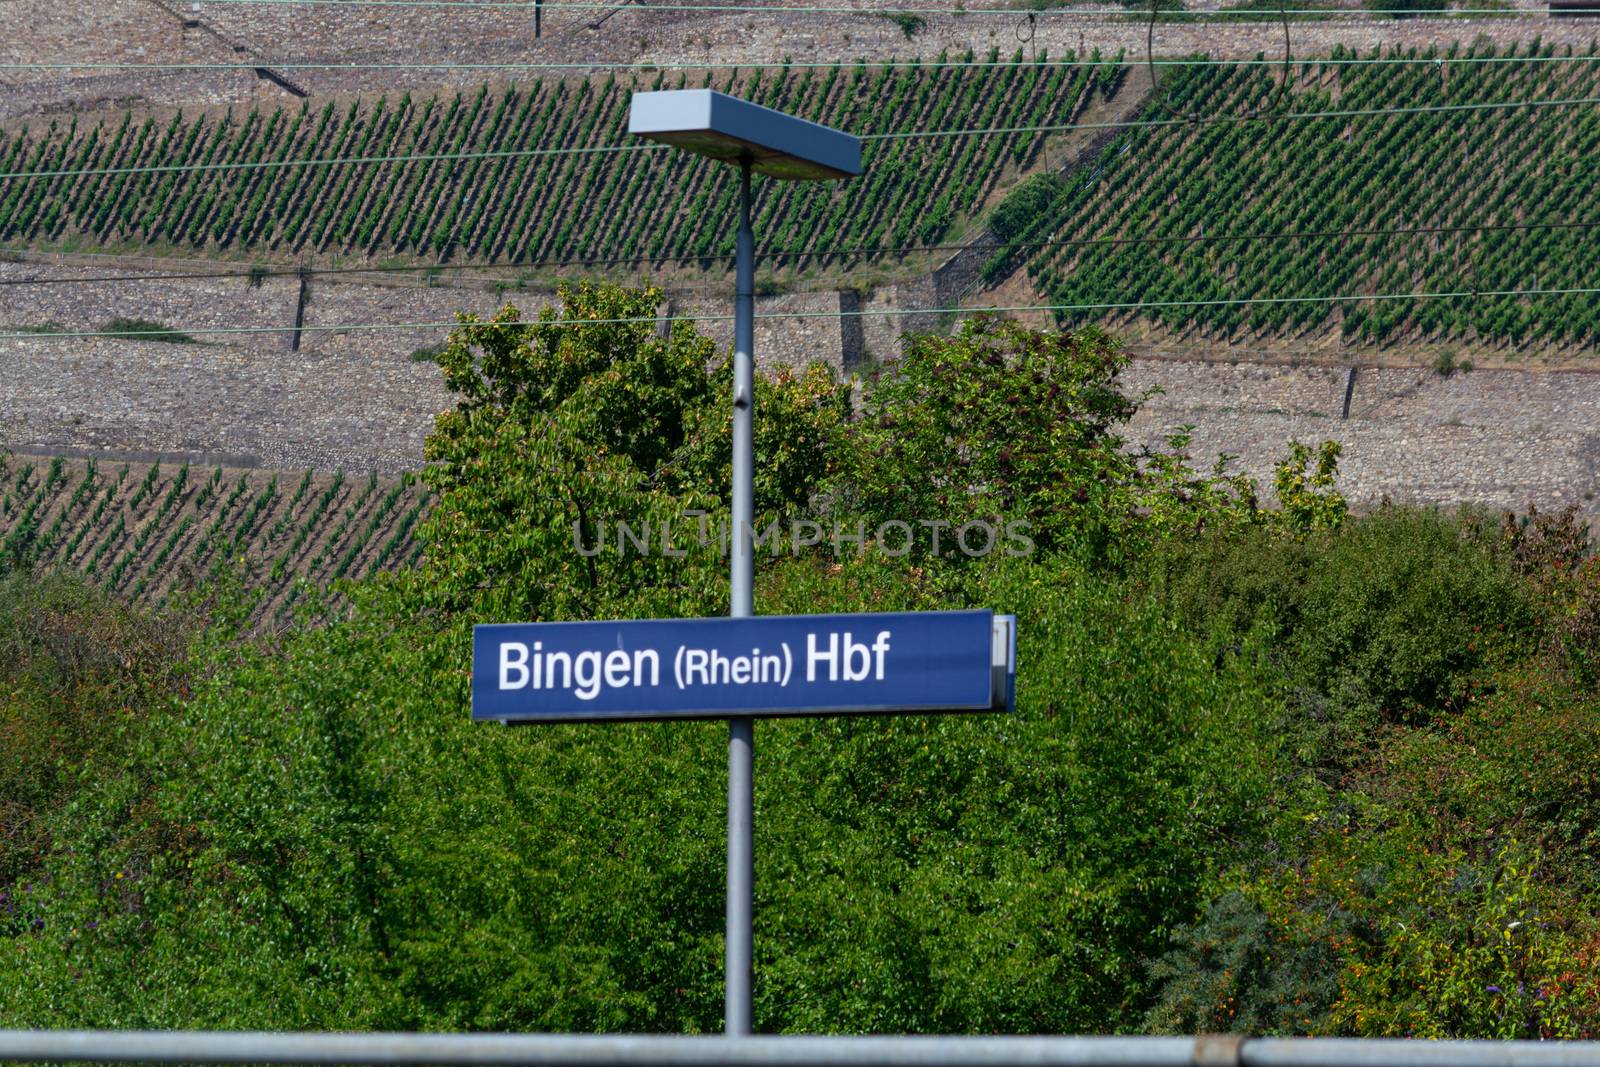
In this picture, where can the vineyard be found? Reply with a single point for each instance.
(524, 208)
(144, 530)
(1200, 183)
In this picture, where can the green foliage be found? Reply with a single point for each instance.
(1026, 207)
(1173, 500)
(909, 24)
(302, 861)
(1027, 212)
(1234, 972)
(1284, 771)
(1371, 622)
(998, 424)
(1437, 941)
(76, 668)
(583, 419)
(1434, 718)
(560, 426)
(145, 330)
(1356, 615)
(1307, 500)
(970, 874)
(1032, 419)
(799, 440)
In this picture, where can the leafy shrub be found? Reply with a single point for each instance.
(75, 665)
(1440, 941)
(1000, 422)
(1357, 612)
(1405, 9)
(1026, 207)
(1409, 613)
(1307, 499)
(910, 24)
(145, 330)
(573, 422)
(1232, 971)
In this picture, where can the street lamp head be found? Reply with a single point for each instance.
(724, 127)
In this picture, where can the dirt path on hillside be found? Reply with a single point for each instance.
(1064, 153)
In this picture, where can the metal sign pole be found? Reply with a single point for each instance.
(739, 960)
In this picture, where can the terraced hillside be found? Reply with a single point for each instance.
(1196, 186)
(142, 529)
(515, 204)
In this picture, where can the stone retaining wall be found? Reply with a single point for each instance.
(1502, 438)
(792, 329)
(351, 399)
(357, 400)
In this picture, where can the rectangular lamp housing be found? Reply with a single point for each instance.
(724, 127)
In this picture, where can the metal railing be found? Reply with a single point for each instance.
(566, 1050)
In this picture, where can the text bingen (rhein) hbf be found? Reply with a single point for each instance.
(831, 657)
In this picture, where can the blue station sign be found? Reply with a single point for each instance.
(768, 665)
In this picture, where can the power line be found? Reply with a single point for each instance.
(838, 9)
(870, 64)
(856, 252)
(278, 164)
(1431, 109)
(156, 334)
(1210, 120)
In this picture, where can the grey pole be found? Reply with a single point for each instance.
(725, 128)
(739, 961)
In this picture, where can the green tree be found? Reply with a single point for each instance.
(1000, 423)
(584, 418)
(1307, 498)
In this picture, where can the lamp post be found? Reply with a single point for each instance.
(769, 142)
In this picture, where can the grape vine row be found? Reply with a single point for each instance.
(521, 207)
(179, 522)
(1403, 171)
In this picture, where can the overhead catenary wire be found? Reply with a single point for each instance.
(434, 157)
(158, 275)
(157, 333)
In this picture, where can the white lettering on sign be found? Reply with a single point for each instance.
(513, 657)
(584, 673)
(854, 661)
(713, 667)
(708, 666)
(831, 657)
